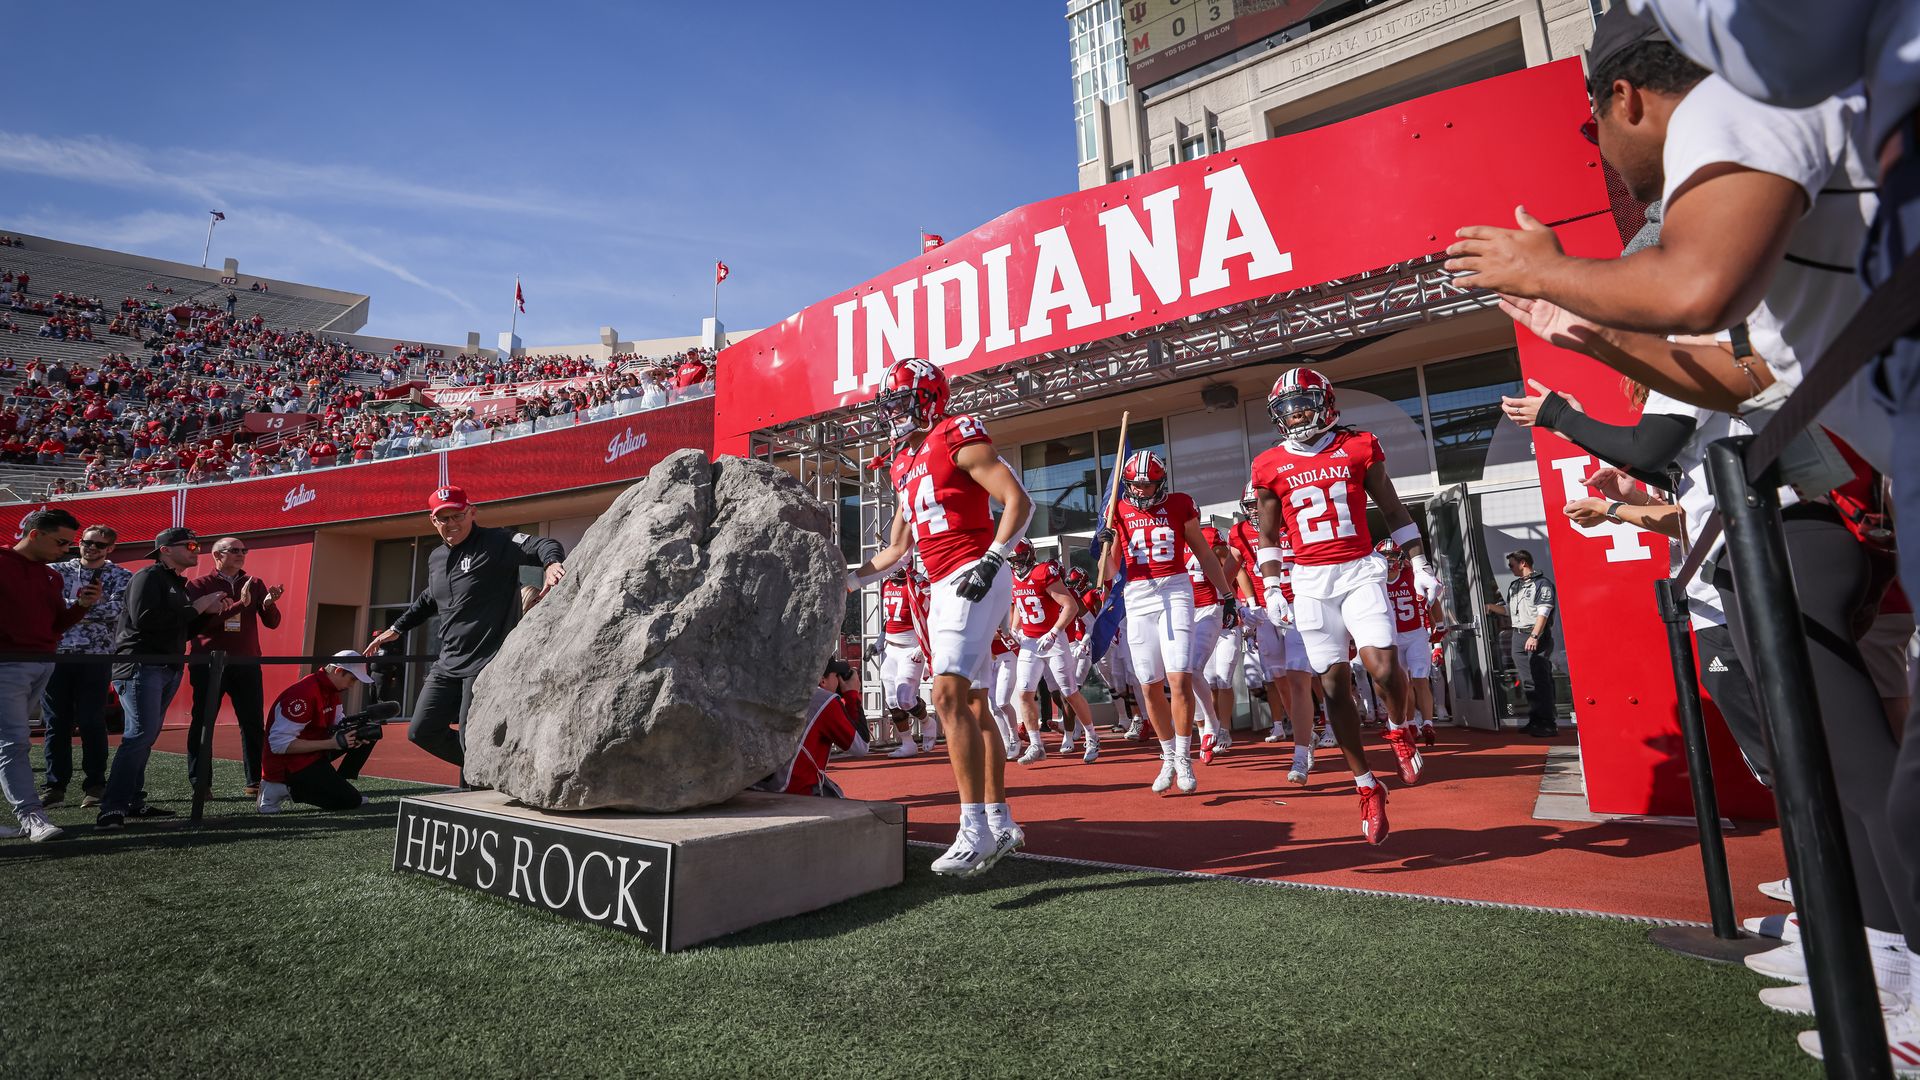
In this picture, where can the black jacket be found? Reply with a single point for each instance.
(474, 588)
(158, 617)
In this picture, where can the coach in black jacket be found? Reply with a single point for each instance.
(473, 585)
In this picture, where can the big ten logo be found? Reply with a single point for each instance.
(1625, 543)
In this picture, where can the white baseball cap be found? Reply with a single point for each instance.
(357, 668)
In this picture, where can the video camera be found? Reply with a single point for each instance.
(366, 723)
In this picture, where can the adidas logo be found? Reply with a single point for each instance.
(1716, 665)
(1340, 453)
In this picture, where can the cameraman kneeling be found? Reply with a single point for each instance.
(305, 735)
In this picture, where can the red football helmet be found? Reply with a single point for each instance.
(1211, 535)
(1077, 579)
(1250, 504)
(899, 574)
(913, 397)
(1388, 550)
(1306, 394)
(1144, 481)
(1022, 558)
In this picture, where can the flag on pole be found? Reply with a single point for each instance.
(1114, 607)
(519, 298)
(217, 215)
(720, 272)
(929, 241)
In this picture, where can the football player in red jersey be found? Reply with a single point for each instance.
(1283, 656)
(1412, 636)
(1315, 484)
(1043, 610)
(903, 666)
(1209, 626)
(1000, 699)
(945, 474)
(1155, 529)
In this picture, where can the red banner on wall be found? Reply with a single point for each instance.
(1274, 216)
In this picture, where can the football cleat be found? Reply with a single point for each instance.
(907, 748)
(1207, 743)
(1035, 751)
(1406, 753)
(1165, 779)
(1183, 777)
(1302, 765)
(1327, 741)
(965, 859)
(1275, 734)
(1373, 812)
(1093, 753)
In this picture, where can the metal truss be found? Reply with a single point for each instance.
(1332, 313)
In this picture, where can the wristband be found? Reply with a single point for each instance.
(1274, 584)
(1406, 534)
(857, 580)
(1267, 555)
(1004, 548)
(1420, 563)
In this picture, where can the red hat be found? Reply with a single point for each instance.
(448, 496)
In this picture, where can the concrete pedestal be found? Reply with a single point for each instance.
(673, 879)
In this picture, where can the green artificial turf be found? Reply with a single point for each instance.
(268, 947)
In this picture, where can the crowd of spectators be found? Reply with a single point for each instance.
(168, 404)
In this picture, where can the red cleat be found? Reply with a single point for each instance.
(1206, 749)
(1407, 751)
(1373, 812)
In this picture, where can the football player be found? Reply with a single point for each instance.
(1315, 484)
(1000, 700)
(945, 476)
(1283, 656)
(1412, 635)
(1209, 627)
(1043, 609)
(1155, 529)
(903, 666)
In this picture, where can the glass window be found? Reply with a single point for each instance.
(1463, 398)
(1193, 147)
(1122, 171)
(1060, 475)
(393, 572)
(1388, 405)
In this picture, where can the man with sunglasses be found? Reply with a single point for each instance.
(158, 618)
(76, 696)
(37, 615)
(473, 586)
(246, 605)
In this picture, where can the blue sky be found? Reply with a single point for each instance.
(606, 152)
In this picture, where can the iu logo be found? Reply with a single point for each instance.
(1625, 543)
(299, 496)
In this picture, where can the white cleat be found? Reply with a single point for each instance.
(1781, 890)
(1013, 751)
(1302, 765)
(1183, 775)
(1223, 741)
(1786, 963)
(907, 748)
(964, 859)
(1066, 745)
(1274, 735)
(1133, 731)
(1165, 779)
(1035, 751)
(1327, 741)
(1093, 752)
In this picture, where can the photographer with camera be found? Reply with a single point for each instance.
(308, 729)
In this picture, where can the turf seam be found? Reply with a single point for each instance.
(1346, 890)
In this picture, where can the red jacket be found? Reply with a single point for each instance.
(306, 710)
(37, 609)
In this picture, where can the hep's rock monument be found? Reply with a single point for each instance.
(673, 666)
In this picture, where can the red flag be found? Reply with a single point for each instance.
(217, 215)
(519, 297)
(719, 272)
(929, 241)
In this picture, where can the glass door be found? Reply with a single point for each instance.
(1466, 577)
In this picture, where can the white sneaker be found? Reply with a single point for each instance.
(1066, 745)
(964, 859)
(1784, 927)
(1903, 1039)
(1302, 765)
(1093, 752)
(1274, 735)
(907, 748)
(1013, 751)
(1798, 1000)
(1035, 751)
(1165, 779)
(272, 795)
(1786, 963)
(1183, 774)
(1223, 740)
(1009, 840)
(1327, 741)
(38, 828)
(1133, 731)
(928, 744)
(1781, 890)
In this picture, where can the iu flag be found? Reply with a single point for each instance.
(217, 215)
(519, 298)
(929, 241)
(720, 272)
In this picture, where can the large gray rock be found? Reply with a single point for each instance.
(671, 668)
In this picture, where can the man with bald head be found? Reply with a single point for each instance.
(247, 605)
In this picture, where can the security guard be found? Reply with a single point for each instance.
(473, 585)
(1529, 605)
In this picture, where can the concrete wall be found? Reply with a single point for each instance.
(645, 347)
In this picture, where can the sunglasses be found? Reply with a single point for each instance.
(231, 551)
(95, 544)
(190, 545)
(1590, 131)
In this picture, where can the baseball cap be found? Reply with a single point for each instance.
(1617, 30)
(448, 496)
(357, 667)
(168, 538)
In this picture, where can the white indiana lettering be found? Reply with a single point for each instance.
(517, 876)
(1234, 229)
(546, 897)
(623, 894)
(489, 864)
(301, 495)
(1626, 543)
(580, 886)
(623, 444)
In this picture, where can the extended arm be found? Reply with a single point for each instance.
(899, 541)
(1644, 449)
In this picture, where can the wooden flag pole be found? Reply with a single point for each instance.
(1113, 498)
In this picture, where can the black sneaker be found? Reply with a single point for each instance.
(146, 810)
(112, 819)
(54, 795)
(1543, 732)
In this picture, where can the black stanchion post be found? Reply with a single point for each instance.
(1725, 941)
(203, 788)
(1846, 1004)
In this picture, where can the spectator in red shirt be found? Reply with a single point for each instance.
(38, 614)
(827, 728)
(692, 372)
(247, 605)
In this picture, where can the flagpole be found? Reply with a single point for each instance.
(716, 294)
(1113, 498)
(514, 327)
(207, 250)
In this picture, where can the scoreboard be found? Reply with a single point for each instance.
(1167, 37)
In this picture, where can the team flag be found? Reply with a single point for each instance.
(519, 298)
(720, 272)
(929, 241)
(217, 215)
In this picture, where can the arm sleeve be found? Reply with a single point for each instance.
(541, 551)
(1644, 449)
(113, 597)
(269, 613)
(421, 610)
(281, 731)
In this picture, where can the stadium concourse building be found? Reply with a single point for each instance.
(349, 542)
(1178, 295)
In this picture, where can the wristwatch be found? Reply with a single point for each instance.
(1613, 509)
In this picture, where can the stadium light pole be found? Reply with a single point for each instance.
(214, 217)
